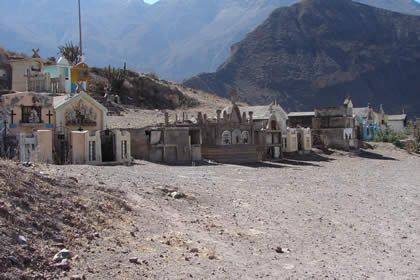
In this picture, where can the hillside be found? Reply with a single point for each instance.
(174, 38)
(317, 52)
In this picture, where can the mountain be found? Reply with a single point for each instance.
(174, 38)
(317, 52)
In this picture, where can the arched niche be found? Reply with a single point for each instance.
(236, 136)
(245, 138)
(226, 137)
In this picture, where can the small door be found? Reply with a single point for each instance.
(108, 146)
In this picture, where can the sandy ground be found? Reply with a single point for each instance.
(336, 216)
(139, 118)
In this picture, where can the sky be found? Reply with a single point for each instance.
(154, 1)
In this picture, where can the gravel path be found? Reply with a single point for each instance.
(338, 217)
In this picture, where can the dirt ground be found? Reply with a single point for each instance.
(327, 216)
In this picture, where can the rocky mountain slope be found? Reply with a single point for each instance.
(318, 51)
(174, 38)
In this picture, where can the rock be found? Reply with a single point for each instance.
(64, 264)
(177, 195)
(74, 179)
(135, 260)
(77, 277)
(212, 257)
(282, 250)
(194, 250)
(22, 239)
(63, 254)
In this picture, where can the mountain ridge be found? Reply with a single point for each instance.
(315, 53)
(174, 38)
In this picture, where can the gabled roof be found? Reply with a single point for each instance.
(63, 61)
(362, 112)
(301, 114)
(63, 100)
(401, 117)
(263, 112)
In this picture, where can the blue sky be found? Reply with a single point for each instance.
(154, 1)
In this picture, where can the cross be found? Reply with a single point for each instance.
(12, 114)
(49, 115)
(35, 55)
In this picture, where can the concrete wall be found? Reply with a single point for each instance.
(333, 122)
(336, 138)
(96, 137)
(19, 72)
(45, 146)
(177, 144)
(78, 146)
(291, 141)
(305, 139)
(302, 121)
(397, 126)
(336, 111)
(139, 145)
(120, 136)
(100, 116)
(15, 101)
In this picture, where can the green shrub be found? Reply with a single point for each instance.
(389, 136)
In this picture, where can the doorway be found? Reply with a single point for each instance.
(107, 145)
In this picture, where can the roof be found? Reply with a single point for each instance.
(401, 117)
(362, 111)
(63, 61)
(63, 100)
(262, 112)
(301, 114)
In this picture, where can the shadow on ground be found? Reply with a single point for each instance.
(370, 155)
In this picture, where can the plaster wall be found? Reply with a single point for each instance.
(396, 126)
(78, 146)
(45, 146)
(100, 116)
(138, 143)
(15, 102)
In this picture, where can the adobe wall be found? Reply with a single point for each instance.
(139, 145)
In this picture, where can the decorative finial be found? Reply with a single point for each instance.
(234, 95)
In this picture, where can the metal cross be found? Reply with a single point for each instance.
(12, 114)
(49, 115)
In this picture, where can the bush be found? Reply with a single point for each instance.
(387, 135)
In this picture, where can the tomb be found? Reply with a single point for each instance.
(269, 128)
(334, 127)
(366, 122)
(29, 120)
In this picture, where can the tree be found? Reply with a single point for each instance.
(71, 52)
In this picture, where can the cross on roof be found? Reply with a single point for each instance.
(35, 55)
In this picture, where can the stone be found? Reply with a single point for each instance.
(22, 239)
(64, 264)
(135, 260)
(63, 254)
(77, 277)
(194, 250)
(282, 250)
(177, 195)
(212, 257)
